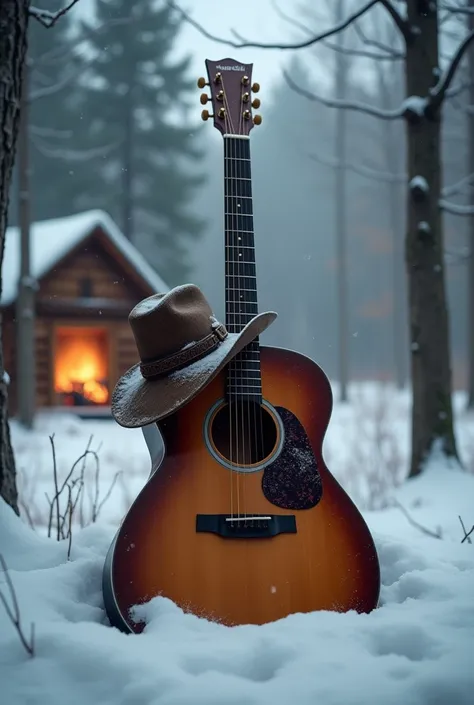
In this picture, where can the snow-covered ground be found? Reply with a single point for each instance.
(416, 648)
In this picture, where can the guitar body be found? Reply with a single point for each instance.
(252, 546)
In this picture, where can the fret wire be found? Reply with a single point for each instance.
(248, 198)
(253, 387)
(244, 379)
(241, 215)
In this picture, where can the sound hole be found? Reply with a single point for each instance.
(244, 432)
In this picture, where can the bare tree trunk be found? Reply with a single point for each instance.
(341, 220)
(392, 159)
(127, 167)
(25, 311)
(432, 416)
(398, 283)
(13, 39)
(470, 264)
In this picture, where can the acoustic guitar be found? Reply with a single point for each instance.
(241, 521)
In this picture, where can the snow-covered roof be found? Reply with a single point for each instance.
(51, 240)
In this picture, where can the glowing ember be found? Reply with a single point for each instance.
(81, 364)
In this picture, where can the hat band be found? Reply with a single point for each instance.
(191, 353)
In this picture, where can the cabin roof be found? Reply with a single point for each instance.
(51, 240)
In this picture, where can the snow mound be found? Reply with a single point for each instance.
(416, 648)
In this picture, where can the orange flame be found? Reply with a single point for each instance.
(81, 363)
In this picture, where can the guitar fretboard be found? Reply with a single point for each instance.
(243, 377)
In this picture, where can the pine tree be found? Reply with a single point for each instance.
(57, 167)
(137, 102)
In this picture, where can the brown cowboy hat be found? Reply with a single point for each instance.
(182, 347)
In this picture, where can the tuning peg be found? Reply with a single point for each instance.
(201, 82)
(205, 115)
(257, 119)
(255, 87)
(204, 98)
(255, 103)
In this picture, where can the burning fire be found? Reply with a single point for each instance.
(81, 364)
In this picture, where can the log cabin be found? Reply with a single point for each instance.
(88, 277)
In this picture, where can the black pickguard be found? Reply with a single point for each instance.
(293, 481)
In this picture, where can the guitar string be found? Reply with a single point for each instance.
(244, 165)
(230, 167)
(237, 299)
(258, 409)
(254, 408)
(256, 374)
(227, 184)
(241, 167)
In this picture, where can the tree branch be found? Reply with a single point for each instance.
(378, 45)
(401, 23)
(454, 208)
(275, 45)
(47, 18)
(361, 170)
(345, 104)
(457, 90)
(467, 534)
(458, 186)
(438, 93)
(392, 56)
(50, 132)
(52, 89)
(457, 10)
(73, 155)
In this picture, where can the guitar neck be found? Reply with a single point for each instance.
(240, 270)
(243, 378)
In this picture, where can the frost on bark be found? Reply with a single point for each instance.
(432, 415)
(470, 264)
(13, 35)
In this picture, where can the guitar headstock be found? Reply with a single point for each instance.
(231, 89)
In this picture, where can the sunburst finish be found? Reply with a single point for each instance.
(322, 556)
(330, 563)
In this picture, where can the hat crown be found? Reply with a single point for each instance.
(163, 324)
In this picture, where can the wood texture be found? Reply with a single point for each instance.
(331, 562)
(432, 412)
(13, 41)
(111, 280)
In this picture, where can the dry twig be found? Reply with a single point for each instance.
(47, 18)
(434, 534)
(467, 534)
(13, 612)
(242, 43)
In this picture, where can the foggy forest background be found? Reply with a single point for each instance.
(114, 124)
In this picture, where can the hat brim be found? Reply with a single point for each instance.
(137, 401)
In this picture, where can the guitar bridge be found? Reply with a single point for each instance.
(248, 526)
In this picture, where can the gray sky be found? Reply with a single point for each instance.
(254, 19)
